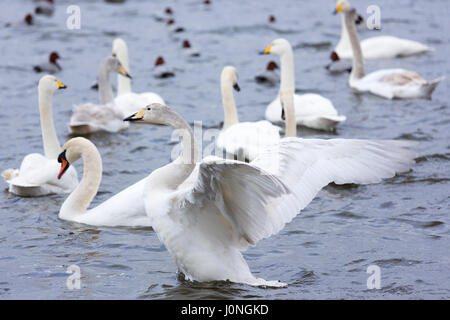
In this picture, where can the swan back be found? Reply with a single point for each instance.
(120, 50)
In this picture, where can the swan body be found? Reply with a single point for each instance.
(127, 101)
(37, 173)
(311, 110)
(386, 83)
(125, 208)
(91, 117)
(243, 140)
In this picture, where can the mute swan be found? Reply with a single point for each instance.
(242, 139)
(161, 70)
(125, 208)
(127, 101)
(207, 212)
(382, 47)
(311, 110)
(387, 83)
(90, 117)
(270, 76)
(51, 66)
(37, 173)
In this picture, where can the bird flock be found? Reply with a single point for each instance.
(208, 210)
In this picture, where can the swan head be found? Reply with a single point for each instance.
(342, 5)
(119, 47)
(50, 83)
(278, 47)
(113, 65)
(72, 151)
(154, 113)
(230, 75)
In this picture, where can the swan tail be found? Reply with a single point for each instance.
(10, 174)
(27, 191)
(258, 282)
(431, 86)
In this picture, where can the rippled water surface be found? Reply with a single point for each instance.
(401, 224)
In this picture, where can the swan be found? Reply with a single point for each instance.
(269, 76)
(311, 110)
(387, 83)
(36, 176)
(125, 208)
(127, 101)
(382, 47)
(90, 117)
(206, 212)
(52, 66)
(241, 139)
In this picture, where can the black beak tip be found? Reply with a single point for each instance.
(130, 118)
(261, 53)
(335, 12)
(236, 87)
(128, 76)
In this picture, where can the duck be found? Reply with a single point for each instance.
(124, 209)
(270, 75)
(272, 19)
(45, 7)
(164, 16)
(28, 19)
(127, 101)
(173, 27)
(241, 140)
(386, 83)
(188, 50)
(52, 66)
(381, 47)
(90, 117)
(37, 173)
(161, 70)
(207, 212)
(311, 110)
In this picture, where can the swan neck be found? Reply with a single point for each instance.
(104, 86)
(358, 61)
(52, 148)
(344, 41)
(229, 105)
(287, 70)
(287, 102)
(123, 83)
(80, 199)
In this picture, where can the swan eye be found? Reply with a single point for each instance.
(149, 109)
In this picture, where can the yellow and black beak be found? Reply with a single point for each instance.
(64, 164)
(337, 9)
(124, 72)
(267, 51)
(60, 85)
(136, 116)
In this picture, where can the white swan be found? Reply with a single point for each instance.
(311, 110)
(382, 47)
(387, 83)
(37, 173)
(125, 208)
(207, 212)
(127, 101)
(91, 117)
(241, 139)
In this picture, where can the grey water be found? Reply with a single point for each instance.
(400, 225)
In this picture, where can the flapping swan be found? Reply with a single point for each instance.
(244, 140)
(311, 110)
(126, 208)
(52, 66)
(91, 117)
(382, 47)
(387, 83)
(207, 212)
(127, 101)
(37, 173)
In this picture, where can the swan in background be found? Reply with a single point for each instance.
(382, 47)
(206, 212)
(127, 101)
(52, 66)
(37, 173)
(311, 110)
(126, 208)
(91, 117)
(270, 75)
(387, 83)
(243, 140)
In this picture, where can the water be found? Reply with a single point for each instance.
(401, 225)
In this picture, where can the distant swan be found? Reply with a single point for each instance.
(125, 208)
(387, 83)
(37, 173)
(311, 110)
(91, 117)
(382, 47)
